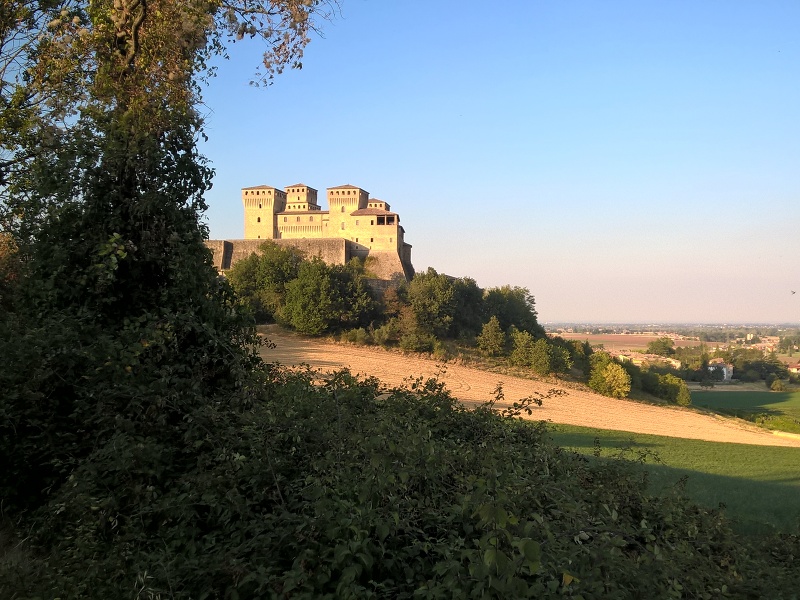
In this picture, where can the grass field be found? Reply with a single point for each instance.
(773, 410)
(759, 485)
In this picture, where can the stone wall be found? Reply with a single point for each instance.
(228, 252)
(334, 251)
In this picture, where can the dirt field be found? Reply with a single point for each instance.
(472, 386)
(619, 342)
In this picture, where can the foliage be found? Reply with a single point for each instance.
(339, 490)
(663, 346)
(513, 306)
(432, 298)
(492, 340)
(260, 280)
(118, 329)
(521, 347)
(325, 297)
(608, 377)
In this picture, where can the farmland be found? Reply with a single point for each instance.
(773, 410)
(727, 460)
(759, 486)
(618, 342)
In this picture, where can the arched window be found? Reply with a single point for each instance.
(258, 220)
(343, 209)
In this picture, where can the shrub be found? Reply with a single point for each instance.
(335, 490)
(492, 340)
(358, 336)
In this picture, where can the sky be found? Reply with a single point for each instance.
(626, 161)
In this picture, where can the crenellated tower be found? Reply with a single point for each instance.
(262, 203)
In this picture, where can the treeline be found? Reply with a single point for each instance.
(433, 313)
(749, 364)
(280, 285)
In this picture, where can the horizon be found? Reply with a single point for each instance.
(625, 162)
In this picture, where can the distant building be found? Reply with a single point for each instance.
(718, 364)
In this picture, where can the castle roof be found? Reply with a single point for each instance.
(300, 185)
(260, 187)
(345, 187)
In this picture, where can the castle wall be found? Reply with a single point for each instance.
(228, 252)
(386, 265)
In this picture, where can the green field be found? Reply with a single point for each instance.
(773, 410)
(759, 485)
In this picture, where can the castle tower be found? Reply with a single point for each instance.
(342, 202)
(261, 205)
(300, 197)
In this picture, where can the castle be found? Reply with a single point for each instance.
(354, 226)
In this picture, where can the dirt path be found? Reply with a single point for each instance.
(473, 386)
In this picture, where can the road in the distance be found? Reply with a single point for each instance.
(473, 386)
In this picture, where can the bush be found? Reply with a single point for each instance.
(358, 336)
(338, 491)
(386, 334)
(770, 379)
(778, 386)
(492, 340)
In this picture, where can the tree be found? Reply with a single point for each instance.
(513, 306)
(663, 346)
(120, 326)
(492, 339)
(521, 347)
(607, 377)
(324, 297)
(617, 380)
(469, 312)
(433, 302)
(261, 279)
(541, 357)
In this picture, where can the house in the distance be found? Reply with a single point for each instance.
(718, 364)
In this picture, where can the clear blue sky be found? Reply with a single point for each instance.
(627, 161)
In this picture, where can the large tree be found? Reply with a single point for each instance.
(118, 323)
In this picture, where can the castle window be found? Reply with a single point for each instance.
(390, 239)
(371, 240)
(356, 221)
(310, 218)
(390, 220)
(258, 220)
(259, 205)
(342, 225)
(342, 208)
(372, 221)
(298, 219)
(284, 219)
(356, 239)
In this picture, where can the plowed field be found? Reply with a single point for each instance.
(473, 386)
